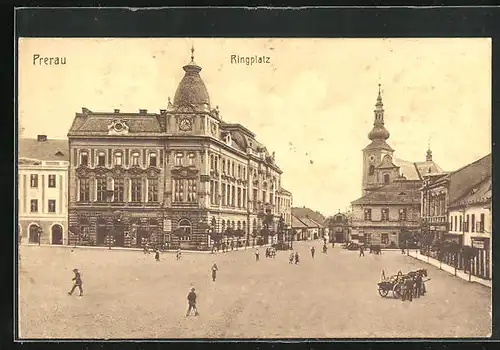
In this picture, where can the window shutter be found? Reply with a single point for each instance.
(126, 157)
(92, 157)
(110, 157)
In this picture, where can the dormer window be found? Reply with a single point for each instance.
(101, 159)
(135, 159)
(118, 158)
(84, 159)
(152, 159)
(228, 139)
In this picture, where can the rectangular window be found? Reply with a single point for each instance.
(178, 186)
(153, 190)
(460, 223)
(244, 198)
(239, 197)
(263, 197)
(136, 189)
(239, 171)
(191, 190)
(33, 180)
(467, 224)
(481, 224)
(52, 206)
(118, 159)
(191, 159)
(34, 205)
(135, 159)
(244, 173)
(368, 214)
(84, 159)
(84, 190)
(402, 214)
(223, 194)
(152, 159)
(254, 198)
(212, 192)
(233, 196)
(385, 214)
(101, 159)
(101, 189)
(473, 219)
(456, 218)
(52, 181)
(119, 190)
(178, 159)
(232, 169)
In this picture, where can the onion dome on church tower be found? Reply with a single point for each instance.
(191, 91)
(379, 132)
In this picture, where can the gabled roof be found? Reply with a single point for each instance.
(51, 149)
(307, 212)
(463, 180)
(296, 223)
(399, 192)
(481, 193)
(417, 170)
(310, 223)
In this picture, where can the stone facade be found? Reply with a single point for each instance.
(181, 176)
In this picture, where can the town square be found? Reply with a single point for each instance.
(180, 195)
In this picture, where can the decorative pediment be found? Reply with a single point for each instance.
(184, 172)
(135, 170)
(83, 171)
(118, 127)
(118, 170)
(153, 172)
(100, 171)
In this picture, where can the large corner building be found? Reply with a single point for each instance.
(180, 175)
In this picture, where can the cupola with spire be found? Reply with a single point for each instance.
(428, 155)
(192, 91)
(379, 132)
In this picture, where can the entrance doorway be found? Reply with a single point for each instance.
(101, 232)
(57, 234)
(118, 234)
(33, 233)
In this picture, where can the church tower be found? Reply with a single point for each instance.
(378, 153)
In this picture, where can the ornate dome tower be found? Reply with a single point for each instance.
(192, 92)
(379, 132)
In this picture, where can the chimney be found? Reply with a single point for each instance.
(117, 110)
(143, 111)
(41, 138)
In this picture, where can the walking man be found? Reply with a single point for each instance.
(192, 303)
(361, 251)
(178, 256)
(408, 289)
(157, 255)
(292, 255)
(257, 254)
(78, 283)
(312, 252)
(296, 258)
(214, 271)
(325, 249)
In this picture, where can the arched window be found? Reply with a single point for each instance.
(135, 159)
(185, 225)
(386, 178)
(232, 225)
(101, 159)
(118, 158)
(239, 225)
(84, 158)
(371, 170)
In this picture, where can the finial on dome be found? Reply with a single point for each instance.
(192, 53)
(428, 156)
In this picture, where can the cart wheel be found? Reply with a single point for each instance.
(396, 291)
(383, 292)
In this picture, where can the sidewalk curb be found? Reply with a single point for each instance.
(444, 267)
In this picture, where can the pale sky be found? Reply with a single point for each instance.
(314, 101)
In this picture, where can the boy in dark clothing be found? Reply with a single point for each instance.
(157, 255)
(192, 303)
(312, 252)
(78, 282)
(325, 249)
(361, 251)
(296, 258)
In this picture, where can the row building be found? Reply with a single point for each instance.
(42, 187)
(182, 175)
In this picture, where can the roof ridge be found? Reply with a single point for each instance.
(468, 165)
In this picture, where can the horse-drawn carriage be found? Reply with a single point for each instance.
(396, 283)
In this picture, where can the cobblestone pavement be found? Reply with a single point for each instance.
(129, 295)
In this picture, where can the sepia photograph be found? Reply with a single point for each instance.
(254, 188)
